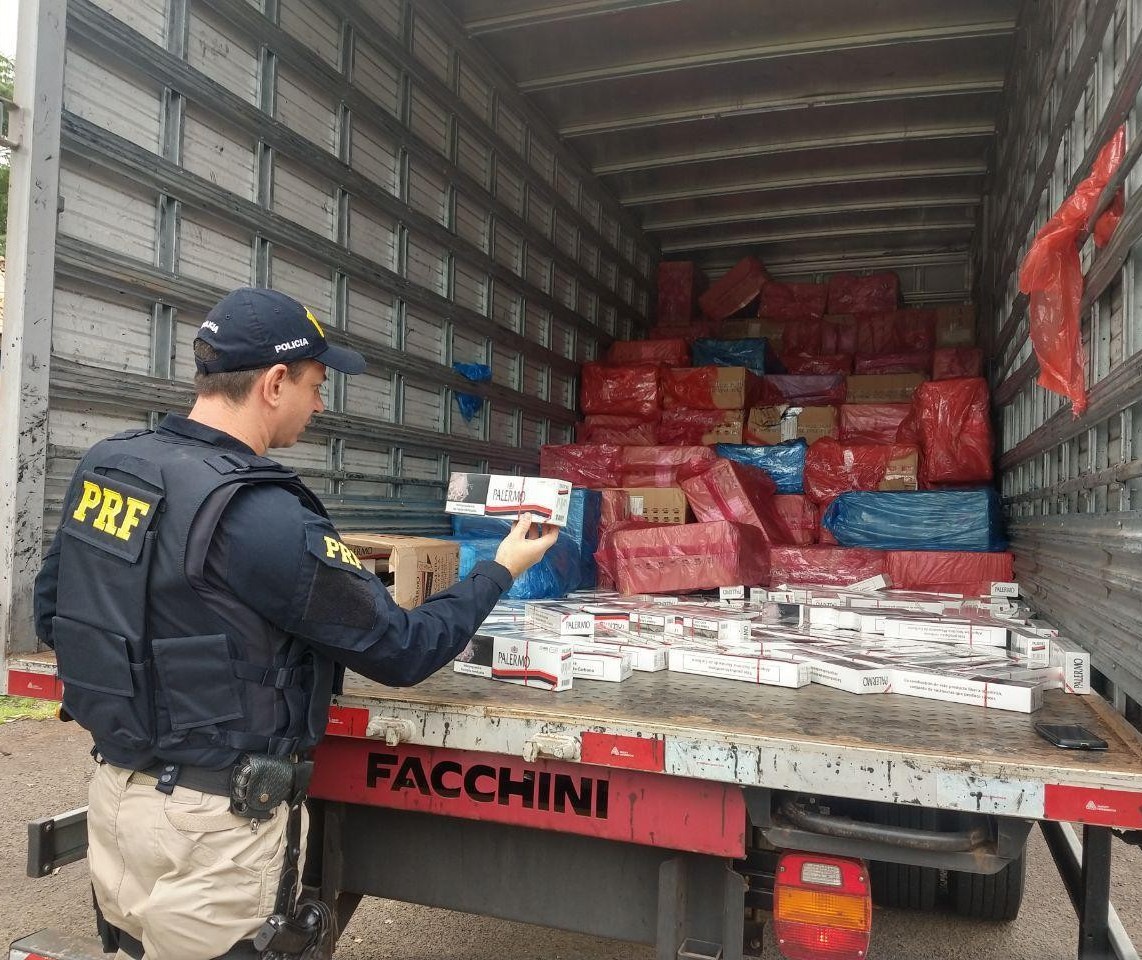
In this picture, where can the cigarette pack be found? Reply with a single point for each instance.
(514, 656)
(492, 495)
(735, 663)
(1036, 649)
(1022, 696)
(560, 619)
(1075, 664)
(600, 662)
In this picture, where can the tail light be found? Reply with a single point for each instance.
(822, 907)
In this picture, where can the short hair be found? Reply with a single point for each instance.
(233, 385)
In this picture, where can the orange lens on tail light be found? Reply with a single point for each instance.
(822, 908)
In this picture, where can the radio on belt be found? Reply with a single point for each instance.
(493, 495)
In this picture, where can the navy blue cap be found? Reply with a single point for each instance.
(252, 327)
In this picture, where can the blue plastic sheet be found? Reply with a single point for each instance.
(753, 354)
(556, 575)
(469, 403)
(969, 520)
(582, 527)
(784, 462)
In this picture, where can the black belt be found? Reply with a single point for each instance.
(170, 775)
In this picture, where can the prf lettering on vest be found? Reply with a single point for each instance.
(333, 547)
(111, 504)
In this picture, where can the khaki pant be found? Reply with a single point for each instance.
(180, 872)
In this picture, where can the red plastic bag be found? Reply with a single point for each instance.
(947, 571)
(674, 352)
(623, 431)
(679, 283)
(606, 562)
(811, 391)
(807, 365)
(690, 331)
(839, 335)
(911, 362)
(633, 390)
(693, 556)
(872, 422)
(833, 467)
(700, 427)
(734, 291)
(594, 465)
(948, 363)
(800, 516)
(802, 336)
(898, 331)
(709, 388)
(1051, 275)
(951, 424)
(727, 490)
(658, 466)
(849, 293)
(827, 566)
(792, 301)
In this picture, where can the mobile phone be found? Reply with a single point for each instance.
(1070, 736)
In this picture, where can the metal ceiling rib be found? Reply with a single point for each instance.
(833, 132)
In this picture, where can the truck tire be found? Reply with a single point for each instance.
(995, 896)
(898, 884)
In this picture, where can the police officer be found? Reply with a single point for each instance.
(203, 609)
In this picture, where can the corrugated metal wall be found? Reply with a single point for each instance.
(1073, 487)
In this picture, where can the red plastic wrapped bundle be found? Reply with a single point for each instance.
(898, 331)
(658, 466)
(792, 301)
(873, 422)
(827, 566)
(807, 365)
(800, 516)
(948, 363)
(948, 571)
(918, 361)
(737, 289)
(691, 331)
(674, 352)
(833, 467)
(727, 490)
(694, 556)
(622, 431)
(849, 293)
(594, 465)
(825, 537)
(633, 390)
(951, 424)
(700, 427)
(802, 336)
(679, 283)
(810, 391)
(709, 388)
(839, 335)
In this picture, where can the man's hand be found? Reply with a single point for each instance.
(524, 547)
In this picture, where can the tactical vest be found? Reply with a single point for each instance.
(156, 662)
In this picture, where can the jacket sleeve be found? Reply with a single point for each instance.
(44, 593)
(290, 565)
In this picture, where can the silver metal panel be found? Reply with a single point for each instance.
(314, 25)
(112, 335)
(427, 264)
(114, 102)
(469, 288)
(305, 199)
(304, 279)
(304, 109)
(91, 203)
(431, 49)
(370, 313)
(427, 191)
(224, 156)
(376, 76)
(375, 155)
(148, 17)
(473, 156)
(373, 234)
(226, 59)
(429, 120)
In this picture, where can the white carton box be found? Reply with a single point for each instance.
(493, 495)
(732, 593)
(1075, 665)
(850, 675)
(1003, 588)
(517, 657)
(600, 662)
(734, 665)
(646, 656)
(649, 623)
(608, 617)
(881, 581)
(974, 633)
(709, 624)
(561, 619)
(1034, 648)
(1021, 696)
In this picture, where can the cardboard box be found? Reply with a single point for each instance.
(955, 326)
(882, 387)
(775, 424)
(902, 473)
(739, 664)
(492, 495)
(657, 504)
(771, 330)
(414, 568)
(600, 662)
(560, 619)
(700, 427)
(519, 657)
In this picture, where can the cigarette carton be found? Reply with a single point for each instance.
(850, 676)
(733, 593)
(709, 624)
(947, 630)
(1021, 696)
(560, 619)
(600, 662)
(492, 495)
(1002, 588)
(646, 656)
(515, 657)
(1036, 649)
(880, 582)
(744, 664)
(1075, 664)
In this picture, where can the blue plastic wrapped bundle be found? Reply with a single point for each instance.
(582, 527)
(970, 520)
(784, 462)
(752, 353)
(556, 575)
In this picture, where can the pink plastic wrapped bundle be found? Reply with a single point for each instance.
(700, 427)
(839, 335)
(803, 364)
(897, 331)
(621, 431)
(950, 363)
(658, 466)
(727, 490)
(679, 283)
(849, 293)
(803, 336)
(694, 556)
(872, 422)
(735, 290)
(633, 390)
(915, 361)
(594, 465)
(709, 388)
(833, 467)
(809, 391)
(792, 301)
(674, 352)
(951, 423)
(948, 571)
(800, 516)
(827, 566)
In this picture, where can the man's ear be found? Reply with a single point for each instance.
(273, 383)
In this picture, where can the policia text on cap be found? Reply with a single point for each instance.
(202, 620)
